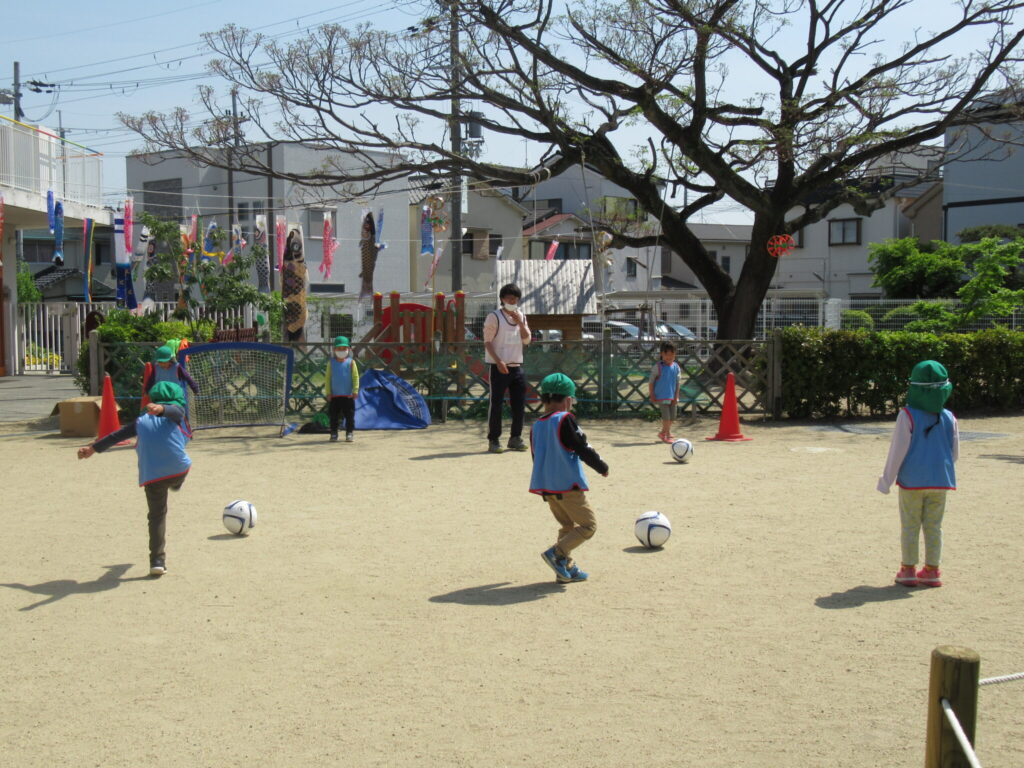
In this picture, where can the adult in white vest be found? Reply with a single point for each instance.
(506, 332)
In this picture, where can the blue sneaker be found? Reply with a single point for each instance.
(575, 574)
(556, 563)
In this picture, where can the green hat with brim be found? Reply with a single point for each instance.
(557, 384)
(164, 354)
(341, 341)
(930, 387)
(167, 393)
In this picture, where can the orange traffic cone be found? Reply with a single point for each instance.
(729, 425)
(109, 420)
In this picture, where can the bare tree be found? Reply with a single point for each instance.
(780, 105)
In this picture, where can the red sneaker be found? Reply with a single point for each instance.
(906, 576)
(929, 576)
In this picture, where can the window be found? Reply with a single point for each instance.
(726, 263)
(162, 198)
(467, 243)
(37, 251)
(844, 232)
(538, 248)
(494, 242)
(713, 255)
(630, 267)
(315, 223)
(243, 213)
(798, 238)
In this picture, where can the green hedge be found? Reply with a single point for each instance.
(828, 373)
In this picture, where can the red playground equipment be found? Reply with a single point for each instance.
(413, 326)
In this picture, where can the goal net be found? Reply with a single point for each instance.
(241, 384)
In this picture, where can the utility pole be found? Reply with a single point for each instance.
(63, 153)
(18, 114)
(456, 130)
(232, 215)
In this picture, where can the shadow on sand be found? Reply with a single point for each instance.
(858, 596)
(61, 588)
(500, 593)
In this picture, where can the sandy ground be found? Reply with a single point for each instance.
(392, 609)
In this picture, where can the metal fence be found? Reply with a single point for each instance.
(611, 376)
(329, 314)
(34, 160)
(49, 335)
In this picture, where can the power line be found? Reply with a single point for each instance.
(107, 26)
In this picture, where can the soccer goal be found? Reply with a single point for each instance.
(241, 384)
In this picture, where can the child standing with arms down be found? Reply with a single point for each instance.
(163, 464)
(925, 446)
(342, 387)
(165, 368)
(663, 389)
(558, 448)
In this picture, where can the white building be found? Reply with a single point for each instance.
(170, 186)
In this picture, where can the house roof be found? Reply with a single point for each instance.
(671, 283)
(719, 232)
(52, 276)
(556, 287)
(421, 187)
(549, 223)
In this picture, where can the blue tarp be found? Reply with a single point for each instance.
(387, 401)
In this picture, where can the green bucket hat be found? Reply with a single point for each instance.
(557, 384)
(167, 393)
(163, 354)
(341, 341)
(929, 386)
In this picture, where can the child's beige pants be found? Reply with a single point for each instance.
(575, 517)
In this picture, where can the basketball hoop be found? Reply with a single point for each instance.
(780, 245)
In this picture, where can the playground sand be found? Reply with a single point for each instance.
(392, 609)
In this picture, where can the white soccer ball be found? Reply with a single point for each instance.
(652, 529)
(239, 517)
(682, 450)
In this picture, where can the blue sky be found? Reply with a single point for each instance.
(109, 57)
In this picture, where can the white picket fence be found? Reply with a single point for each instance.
(50, 334)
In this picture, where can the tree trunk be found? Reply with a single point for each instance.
(737, 308)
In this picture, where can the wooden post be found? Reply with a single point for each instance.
(396, 299)
(378, 308)
(954, 677)
(95, 363)
(438, 324)
(460, 316)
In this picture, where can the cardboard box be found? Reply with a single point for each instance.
(79, 416)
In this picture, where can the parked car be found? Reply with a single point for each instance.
(674, 332)
(619, 330)
(546, 335)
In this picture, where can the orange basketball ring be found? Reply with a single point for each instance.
(780, 245)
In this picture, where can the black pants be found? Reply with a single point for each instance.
(515, 383)
(156, 498)
(342, 407)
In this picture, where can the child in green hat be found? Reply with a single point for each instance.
(924, 449)
(166, 368)
(559, 451)
(342, 388)
(162, 433)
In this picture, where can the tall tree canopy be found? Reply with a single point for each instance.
(779, 105)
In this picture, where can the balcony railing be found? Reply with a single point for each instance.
(33, 159)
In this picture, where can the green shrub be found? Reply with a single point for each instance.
(827, 373)
(856, 319)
